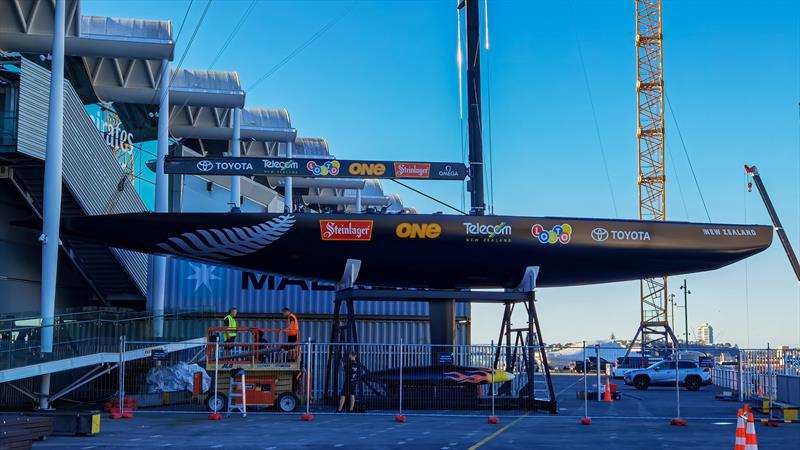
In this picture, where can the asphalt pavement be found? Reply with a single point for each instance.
(639, 420)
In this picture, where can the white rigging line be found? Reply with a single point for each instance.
(459, 66)
(677, 179)
(233, 33)
(688, 159)
(594, 116)
(303, 46)
(746, 274)
(486, 23)
(490, 177)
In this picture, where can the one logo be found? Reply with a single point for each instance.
(599, 234)
(449, 172)
(227, 243)
(328, 168)
(204, 165)
(368, 169)
(345, 230)
(480, 232)
(558, 234)
(418, 230)
(412, 170)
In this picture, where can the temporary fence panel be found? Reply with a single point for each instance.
(426, 379)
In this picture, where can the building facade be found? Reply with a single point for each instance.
(705, 334)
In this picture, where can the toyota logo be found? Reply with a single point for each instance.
(599, 234)
(205, 166)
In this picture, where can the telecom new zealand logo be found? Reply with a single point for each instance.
(561, 234)
(479, 232)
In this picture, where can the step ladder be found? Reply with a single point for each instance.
(233, 393)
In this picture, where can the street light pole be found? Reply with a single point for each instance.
(672, 305)
(686, 293)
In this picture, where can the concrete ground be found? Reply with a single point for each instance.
(639, 420)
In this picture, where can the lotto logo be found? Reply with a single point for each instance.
(558, 234)
(328, 168)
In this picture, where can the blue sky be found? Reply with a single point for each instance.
(382, 83)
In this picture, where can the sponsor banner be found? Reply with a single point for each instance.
(412, 170)
(559, 234)
(345, 230)
(729, 232)
(487, 232)
(408, 230)
(326, 168)
(601, 234)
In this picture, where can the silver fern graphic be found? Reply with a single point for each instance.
(228, 243)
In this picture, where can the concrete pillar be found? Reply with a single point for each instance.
(51, 214)
(442, 328)
(288, 202)
(235, 151)
(162, 199)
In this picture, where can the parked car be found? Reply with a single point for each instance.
(591, 364)
(623, 365)
(689, 373)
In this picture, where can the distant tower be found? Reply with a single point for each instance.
(705, 334)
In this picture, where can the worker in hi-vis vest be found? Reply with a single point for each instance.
(292, 331)
(230, 322)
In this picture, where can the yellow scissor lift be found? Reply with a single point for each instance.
(273, 369)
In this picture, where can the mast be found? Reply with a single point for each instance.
(475, 186)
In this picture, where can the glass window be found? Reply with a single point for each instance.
(686, 365)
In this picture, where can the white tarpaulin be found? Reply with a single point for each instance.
(179, 377)
(609, 351)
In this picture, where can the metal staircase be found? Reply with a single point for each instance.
(93, 179)
(99, 266)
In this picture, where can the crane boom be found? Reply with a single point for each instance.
(776, 221)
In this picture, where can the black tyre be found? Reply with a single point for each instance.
(692, 383)
(641, 382)
(221, 402)
(287, 402)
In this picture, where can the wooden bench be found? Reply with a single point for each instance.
(20, 432)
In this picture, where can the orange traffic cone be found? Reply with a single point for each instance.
(741, 435)
(607, 393)
(751, 441)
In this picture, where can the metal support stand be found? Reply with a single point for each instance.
(527, 342)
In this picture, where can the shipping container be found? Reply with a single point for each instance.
(194, 286)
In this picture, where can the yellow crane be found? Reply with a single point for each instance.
(654, 328)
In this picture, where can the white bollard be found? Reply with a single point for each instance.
(216, 374)
(308, 377)
(597, 355)
(585, 385)
(121, 367)
(401, 376)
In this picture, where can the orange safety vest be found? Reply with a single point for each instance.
(292, 328)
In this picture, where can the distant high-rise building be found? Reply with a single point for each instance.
(705, 334)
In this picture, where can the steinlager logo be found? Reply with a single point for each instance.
(418, 230)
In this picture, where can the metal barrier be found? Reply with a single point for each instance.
(592, 381)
